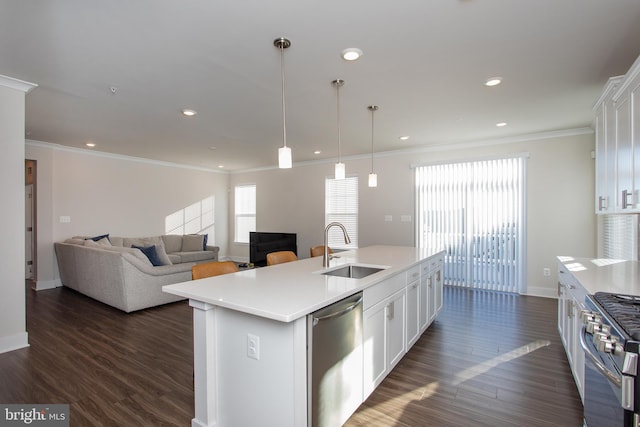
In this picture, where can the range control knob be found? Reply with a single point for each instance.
(594, 327)
(605, 329)
(602, 342)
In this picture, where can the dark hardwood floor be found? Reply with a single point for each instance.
(491, 359)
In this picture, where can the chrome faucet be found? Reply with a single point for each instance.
(325, 256)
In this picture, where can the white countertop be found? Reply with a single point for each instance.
(605, 275)
(286, 292)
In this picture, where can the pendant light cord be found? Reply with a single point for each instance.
(284, 111)
(372, 112)
(338, 102)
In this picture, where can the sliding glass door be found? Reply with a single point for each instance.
(475, 212)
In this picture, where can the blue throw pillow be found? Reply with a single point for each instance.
(152, 253)
(204, 242)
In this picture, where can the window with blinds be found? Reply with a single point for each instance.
(245, 212)
(341, 205)
(619, 236)
(475, 212)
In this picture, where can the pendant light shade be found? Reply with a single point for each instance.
(373, 177)
(284, 152)
(340, 168)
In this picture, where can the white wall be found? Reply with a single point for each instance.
(118, 195)
(13, 332)
(560, 218)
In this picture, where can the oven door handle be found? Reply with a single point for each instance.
(611, 376)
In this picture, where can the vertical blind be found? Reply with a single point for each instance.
(341, 205)
(475, 212)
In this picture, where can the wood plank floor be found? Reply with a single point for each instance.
(490, 359)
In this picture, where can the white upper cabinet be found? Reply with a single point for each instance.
(617, 128)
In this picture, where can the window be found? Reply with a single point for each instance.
(197, 218)
(341, 205)
(475, 212)
(245, 211)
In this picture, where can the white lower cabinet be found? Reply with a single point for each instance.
(571, 296)
(396, 312)
(414, 306)
(383, 327)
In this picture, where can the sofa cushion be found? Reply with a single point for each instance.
(152, 253)
(195, 256)
(192, 242)
(172, 242)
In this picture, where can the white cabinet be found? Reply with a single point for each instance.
(384, 345)
(414, 305)
(396, 312)
(606, 155)
(617, 130)
(431, 290)
(571, 297)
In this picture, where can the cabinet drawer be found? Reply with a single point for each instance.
(413, 274)
(376, 293)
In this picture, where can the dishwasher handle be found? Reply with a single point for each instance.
(339, 313)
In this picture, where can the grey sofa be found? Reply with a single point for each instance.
(113, 272)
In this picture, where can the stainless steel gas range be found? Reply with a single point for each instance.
(610, 339)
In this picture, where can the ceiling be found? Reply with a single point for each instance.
(424, 65)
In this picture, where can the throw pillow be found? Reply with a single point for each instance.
(162, 254)
(192, 242)
(103, 242)
(204, 240)
(96, 238)
(151, 252)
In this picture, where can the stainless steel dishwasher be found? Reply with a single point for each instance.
(334, 362)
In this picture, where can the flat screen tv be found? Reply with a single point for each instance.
(261, 243)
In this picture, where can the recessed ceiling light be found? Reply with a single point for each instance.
(351, 54)
(213, 148)
(493, 81)
(404, 138)
(189, 112)
(90, 144)
(317, 152)
(501, 124)
(221, 166)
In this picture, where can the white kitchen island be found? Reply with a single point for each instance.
(250, 329)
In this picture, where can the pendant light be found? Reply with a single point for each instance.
(284, 152)
(340, 169)
(373, 177)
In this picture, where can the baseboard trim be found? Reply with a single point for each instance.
(14, 342)
(41, 285)
(542, 292)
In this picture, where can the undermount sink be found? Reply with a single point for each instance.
(353, 271)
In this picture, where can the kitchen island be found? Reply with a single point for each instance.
(250, 329)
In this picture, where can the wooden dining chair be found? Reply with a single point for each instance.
(214, 268)
(281, 257)
(319, 250)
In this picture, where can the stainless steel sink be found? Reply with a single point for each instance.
(353, 271)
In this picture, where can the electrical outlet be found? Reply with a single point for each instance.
(546, 271)
(253, 346)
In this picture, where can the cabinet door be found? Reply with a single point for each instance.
(601, 160)
(413, 310)
(423, 312)
(624, 152)
(635, 135)
(396, 328)
(577, 352)
(374, 342)
(437, 292)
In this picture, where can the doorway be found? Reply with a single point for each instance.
(30, 221)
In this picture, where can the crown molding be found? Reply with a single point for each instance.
(96, 153)
(16, 84)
